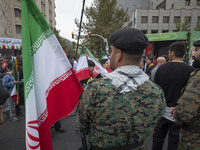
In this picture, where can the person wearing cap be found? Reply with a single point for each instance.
(187, 112)
(119, 110)
(196, 63)
(172, 77)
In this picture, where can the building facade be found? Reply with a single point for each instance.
(163, 15)
(164, 20)
(132, 5)
(10, 16)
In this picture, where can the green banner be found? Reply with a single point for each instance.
(194, 36)
(167, 36)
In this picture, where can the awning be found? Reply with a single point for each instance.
(10, 43)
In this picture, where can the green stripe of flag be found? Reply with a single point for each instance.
(35, 30)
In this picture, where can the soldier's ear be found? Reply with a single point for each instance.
(119, 55)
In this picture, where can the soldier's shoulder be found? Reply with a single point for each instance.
(99, 82)
(152, 87)
(152, 84)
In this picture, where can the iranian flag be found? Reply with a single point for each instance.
(15, 91)
(52, 89)
(82, 71)
(102, 56)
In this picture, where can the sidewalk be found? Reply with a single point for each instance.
(12, 135)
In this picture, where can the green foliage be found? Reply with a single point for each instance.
(178, 25)
(103, 18)
(184, 26)
(197, 27)
(187, 45)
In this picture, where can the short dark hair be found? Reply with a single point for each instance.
(103, 61)
(178, 48)
(91, 63)
(133, 58)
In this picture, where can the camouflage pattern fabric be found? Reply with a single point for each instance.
(187, 114)
(113, 119)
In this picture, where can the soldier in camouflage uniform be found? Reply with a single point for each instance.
(187, 112)
(120, 110)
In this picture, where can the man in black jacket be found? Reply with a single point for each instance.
(172, 77)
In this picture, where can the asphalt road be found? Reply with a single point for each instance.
(12, 135)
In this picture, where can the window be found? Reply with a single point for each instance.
(174, 30)
(165, 19)
(17, 13)
(50, 5)
(176, 19)
(198, 19)
(155, 19)
(165, 31)
(18, 29)
(172, 5)
(50, 22)
(198, 2)
(50, 14)
(144, 31)
(187, 2)
(154, 31)
(144, 19)
(43, 7)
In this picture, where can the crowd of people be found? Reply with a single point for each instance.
(143, 95)
(119, 110)
(8, 82)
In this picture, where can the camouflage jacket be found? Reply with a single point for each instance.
(113, 119)
(187, 114)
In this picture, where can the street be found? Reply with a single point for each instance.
(12, 135)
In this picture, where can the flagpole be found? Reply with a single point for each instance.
(79, 33)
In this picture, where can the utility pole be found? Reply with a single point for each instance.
(79, 33)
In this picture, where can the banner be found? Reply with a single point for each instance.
(167, 36)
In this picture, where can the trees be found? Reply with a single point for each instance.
(197, 27)
(184, 26)
(65, 44)
(103, 18)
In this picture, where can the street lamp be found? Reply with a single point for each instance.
(104, 39)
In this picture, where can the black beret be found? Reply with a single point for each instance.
(197, 43)
(91, 63)
(129, 40)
